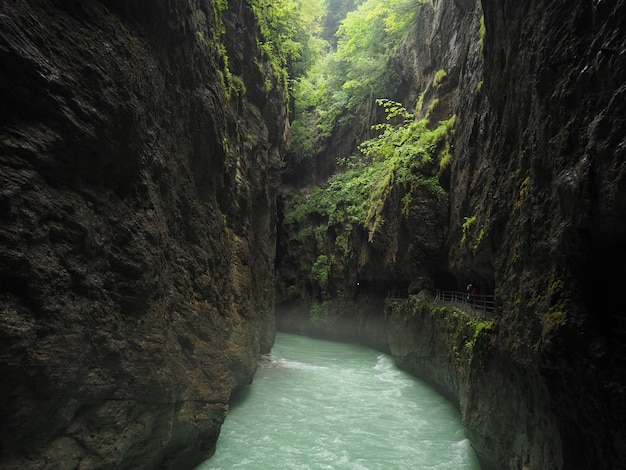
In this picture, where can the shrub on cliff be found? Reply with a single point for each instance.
(403, 158)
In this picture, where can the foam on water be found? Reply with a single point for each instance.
(322, 405)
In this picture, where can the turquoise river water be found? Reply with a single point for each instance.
(324, 405)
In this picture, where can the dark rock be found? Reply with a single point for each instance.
(538, 167)
(137, 209)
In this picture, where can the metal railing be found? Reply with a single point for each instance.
(481, 304)
(398, 293)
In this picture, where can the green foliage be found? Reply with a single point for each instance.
(439, 78)
(292, 292)
(403, 155)
(330, 93)
(467, 225)
(302, 140)
(287, 29)
(476, 326)
(320, 270)
(231, 84)
(436, 309)
(407, 203)
(420, 103)
(433, 104)
(342, 247)
(225, 75)
(483, 28)
(343, 200)
(374, 28)
(336, 11)
(470, 232)
(395, 157)
(409, 144)
(318, 311)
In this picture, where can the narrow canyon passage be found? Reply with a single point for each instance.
(324, 405)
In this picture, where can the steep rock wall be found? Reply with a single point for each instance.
(408, 247)
(447, 38)
(540, 165)
(137, 229)
(538, 170)
(536, 209)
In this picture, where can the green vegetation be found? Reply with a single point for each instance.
(289, 39)
(289, 31)
(467, 225)
(440, 78)
(229, 84)
(319, 311)
(483, 28)
(476, 326)
(353, 70)
(459, 335)
(403, 157)
(458, 324)
(321, 269)
(433, 104)
(335, 71)
(470, 232)
(420, 103)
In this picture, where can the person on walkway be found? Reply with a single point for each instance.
(469, 290)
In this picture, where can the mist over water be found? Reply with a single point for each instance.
(323, 405)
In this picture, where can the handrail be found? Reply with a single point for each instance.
(484, 304)
(398, 293)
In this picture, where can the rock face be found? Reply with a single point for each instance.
(137, 228)
(540, 164)
(536, 207)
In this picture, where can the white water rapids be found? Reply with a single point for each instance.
(324, 405)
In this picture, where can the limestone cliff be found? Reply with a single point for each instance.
(137, 189)
(540, 164)
(535, 211)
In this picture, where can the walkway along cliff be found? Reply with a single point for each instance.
(138, 172)
(534, 211)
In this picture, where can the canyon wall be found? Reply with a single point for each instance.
(140, 161)
(540, 164)
(534, 213)
(137, 234)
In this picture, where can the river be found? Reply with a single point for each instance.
(324, 405)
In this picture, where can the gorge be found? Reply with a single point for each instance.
(153, 233)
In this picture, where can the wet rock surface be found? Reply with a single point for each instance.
(535, 209)
(137, 225)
